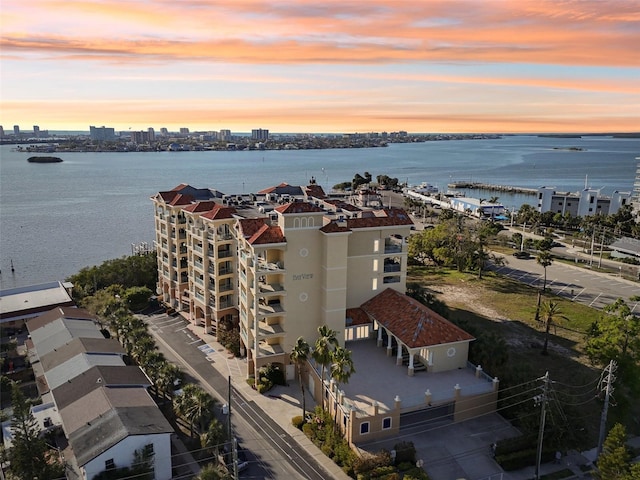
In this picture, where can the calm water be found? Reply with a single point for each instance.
(57, 218)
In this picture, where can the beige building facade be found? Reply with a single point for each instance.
(281, 263)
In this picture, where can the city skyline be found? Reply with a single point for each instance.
(295, 66)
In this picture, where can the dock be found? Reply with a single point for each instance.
(493, 188)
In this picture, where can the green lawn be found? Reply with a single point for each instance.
(477, 301)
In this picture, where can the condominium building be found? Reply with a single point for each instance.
(587, 202)
(278, 264)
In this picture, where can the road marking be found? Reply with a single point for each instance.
(579, 293)
(594, 300)
(195, 341)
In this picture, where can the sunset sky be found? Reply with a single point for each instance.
(321, 66)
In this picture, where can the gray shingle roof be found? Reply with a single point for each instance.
(116, 424)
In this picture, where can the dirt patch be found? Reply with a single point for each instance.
(471, 298)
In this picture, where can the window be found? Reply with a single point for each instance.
(386, 423)
(109, 464)
(364, 428)
(591, 199)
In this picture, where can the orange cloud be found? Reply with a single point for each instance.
(569, 33)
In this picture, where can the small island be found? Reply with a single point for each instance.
(44, 160)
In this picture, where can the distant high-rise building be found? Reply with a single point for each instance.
(225, 135)
(16, 129)
(260, 134)
(152, 134)
(164, 132)
(36, 131)
(101, 133)
(1, 131)
(184, 131)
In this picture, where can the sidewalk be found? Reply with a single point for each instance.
(282, 403)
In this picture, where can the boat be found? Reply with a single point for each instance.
(425, 188)
(44, 160)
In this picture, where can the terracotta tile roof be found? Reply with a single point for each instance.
(356, 316)
(299, 207)
(249, 226)
(200, 206)
(257, 232)
(219, 212)
(181, 200)
(334, 227)
(182, 186)
(411, 322)
(315, 191)
(267, 234)
(381, 218)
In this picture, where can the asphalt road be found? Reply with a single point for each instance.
(578, 284)
(271, 451)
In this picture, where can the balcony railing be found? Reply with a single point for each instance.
(270, 266)
(392, 248)
(269, 330)
(392, 267)
(265, 309)
(226, 304)
(198, 248)
(199, 281)
(225, 270)
(226, 287)
(199, 296)
(224, 253)
(267, 288)
(265, 350)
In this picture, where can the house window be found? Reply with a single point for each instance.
(386, 423)
(109, 464)
(364, 428)
(568, 204)
(344, 420)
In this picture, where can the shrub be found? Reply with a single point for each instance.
(405, 452)
(368, 463)
(297, 421)
(273, 373)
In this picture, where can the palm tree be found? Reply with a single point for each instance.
(203, 407)
(183, 405)
(213, 472)
(167, 377)
(550, 315)
(341, 369)
(322, 351)
(545, 259)
(213, 437)
(299, 355)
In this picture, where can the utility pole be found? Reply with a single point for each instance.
(541, 399)
(601, 248)
(608, 378)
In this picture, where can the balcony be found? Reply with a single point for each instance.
(224, 253)
(267, 288)
(265, 349)
(198, 248)
(392, 267)
(199, 281)
(199, 296)
(270, 309)
(225, 270)
(264, 266)
(211, 253)
(391, 280)
(198, 265)
(226, 303)
(225, 287)
(392, 248)
(266, 330)
(223, 237)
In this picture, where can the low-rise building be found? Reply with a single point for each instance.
(101, 403)
(586, 202)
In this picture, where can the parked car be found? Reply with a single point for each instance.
(522, 255)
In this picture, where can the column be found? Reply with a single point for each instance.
(399, 356)
(389, 347)
(411, 371)
(379, 342)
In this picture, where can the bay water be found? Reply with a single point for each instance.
(58, 218)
